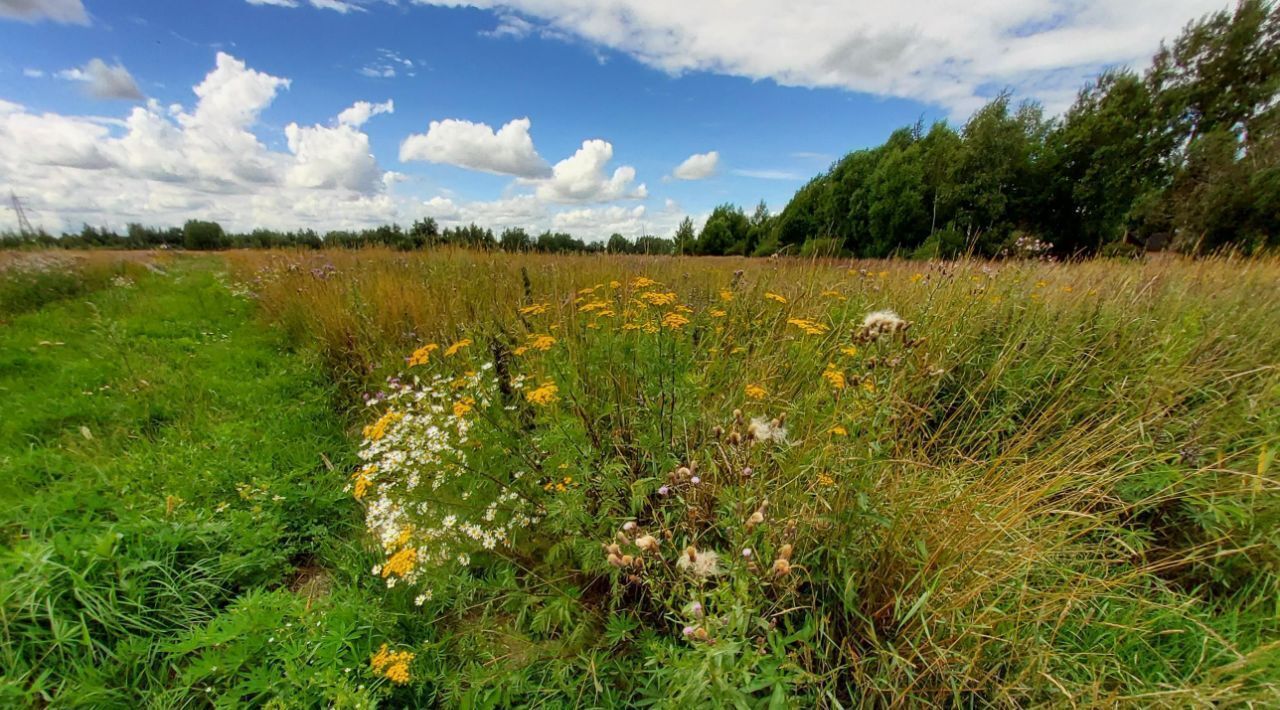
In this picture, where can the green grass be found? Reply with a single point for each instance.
(165, 477)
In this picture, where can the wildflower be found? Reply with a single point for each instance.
(775, 297)
(696, 609)
(422, 598)
(521, 350)
(695, 480)
(392, 665)
(917, 278)
(849, 350)
(836, 295)
(401, 563)
(596, 305)
(746, 472)
(825, 480)
(808, 326)
(674, 321)
(648, 543)
(463, 406)
(456, 347)
(781, 567)
(422, 354)
(726, 295)
(655, 298)
(688, 630)
(629, 526)
(543, 395)
(363, 481)
(869, 386)
(834, 376)
(703, 565)
(535, 309)
(378, 429)
(718, 313)
(761, 429)
(642, 282)
(880, 323)
(664, 490)
(755, 392)
(838, 430)
(541, 342)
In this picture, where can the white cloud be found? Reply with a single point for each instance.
(387, 64)
(341, 6)
(476, 146)
(275, 3)
(954, 53)
(168, 164)
(698, 166)
(65, 11)
(362, 111)
(105, 81)
(33, 73)
(767, 174)
(581, 177)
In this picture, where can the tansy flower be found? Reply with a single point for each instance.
(825, 480)
(543, 395)
(453, 349)
(917, 278)
(849, 350)
(422, 354)
(838, 430)
(392, 665)
(535, 309)
(593, 306)
(834, 376)
(808, 326)
(642, 282)
(520, 350)
(674, 321)
(378, 429)
(755, 392)
(362, 481)
(726, 295)
(656, 298)
(541, 342)
(775, 297)
(717, 313)
(835, 294)
(463, 406)
(401, 563)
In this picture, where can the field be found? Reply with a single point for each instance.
(367, 477)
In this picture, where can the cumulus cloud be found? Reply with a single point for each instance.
(105, 81)
(476, 146)
(952, 53)
(362, 111)
(168, 164)
(581, 177)
(65, 11)
(698, 166)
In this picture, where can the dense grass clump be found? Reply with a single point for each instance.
(821, 482)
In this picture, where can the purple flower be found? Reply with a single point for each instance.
(695, 480)
(688, 630)
(664, 490)
(746, 472)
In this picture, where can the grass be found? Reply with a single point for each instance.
(1055, 487)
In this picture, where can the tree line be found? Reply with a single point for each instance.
(1185, 155)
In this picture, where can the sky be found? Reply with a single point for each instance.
(584, 116)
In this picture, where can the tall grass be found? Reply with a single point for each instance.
(1055, 488)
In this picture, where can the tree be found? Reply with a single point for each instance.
(201, 235)
(686, 238)
(726, 227)
(515, 239)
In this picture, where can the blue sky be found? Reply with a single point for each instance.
(650, 84)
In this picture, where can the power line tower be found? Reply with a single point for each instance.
(24, 224)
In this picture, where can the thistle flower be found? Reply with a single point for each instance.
(703, 565)
(747, 471)
(695, 480)
(879, 323)
(781, 567)
(770, 430)
(629, 526)
(647, 542)
(746, 552)
(695, 609)
(664, 490)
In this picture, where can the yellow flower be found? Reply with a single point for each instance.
(593, 306)
(917, 278)
(392, 665)
(836, 295)
(838, 430)
(535, 309)
(834, 376)
(775, 297)
(401, 563)
(717, 313)
(362, 480)
(463, 406)
(422, 354)
(642, 282)
(543, 395)
(849, 350)
(453, 349)
(378, 429)
(755, 392)
(674, 321)
(541, 342)
(656, 298)
(615, 284)
(825, 480)
(868, 385)
(520, 350)
(726, 295)
(808, 326)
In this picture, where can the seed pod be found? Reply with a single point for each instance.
(627, 560)
(622, 539)
(717, 431)
(692, 552)
(648, 543)
(682, 472)
(785, 552)
(613, 549)
(615, 560)
(781, 567)
(735, 438)
(755, 519)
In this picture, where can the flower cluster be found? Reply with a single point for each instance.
(392, 665)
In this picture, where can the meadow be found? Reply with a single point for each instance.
(456, 478)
